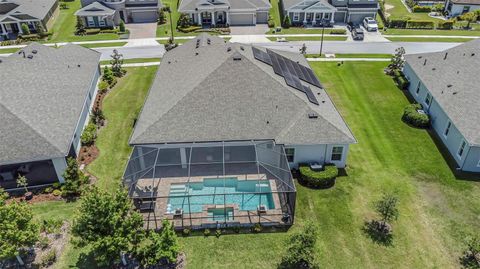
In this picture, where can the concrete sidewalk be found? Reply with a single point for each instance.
(349, 59)
(434, 36)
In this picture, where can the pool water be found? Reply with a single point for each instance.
(212, 190)
(220, 214)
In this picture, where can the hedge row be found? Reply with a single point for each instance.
(318, 179)
(415, 118)
(407, 22)
(422, 9)
(420, 24)
(445, 25)
(95, 31)
(400, 79)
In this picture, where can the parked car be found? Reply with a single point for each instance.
(370, 24)
(356, 30)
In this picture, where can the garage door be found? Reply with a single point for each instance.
(144, 16)
(262, 17)
(241, 19)
(358, 18)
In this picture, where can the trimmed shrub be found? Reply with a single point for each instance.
(89, 134)
(206, 232)
(257, 228)
(190, 29)
(397, 22)
(103, 86)
(445, 25)
(92, 31)
(109, 31)
(318, 179)
(338, 31)
(418, 24)
(121, 27)
(57, 192)
(400, 79)
(412, 117)
(287, 22)
(422, 9)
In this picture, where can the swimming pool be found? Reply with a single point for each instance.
(212, 190)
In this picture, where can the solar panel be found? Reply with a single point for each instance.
(311, 97)
(261, 56)
(275, 65)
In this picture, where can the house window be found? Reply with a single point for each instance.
(296, 16)
(337, 153)
(290, 153)
(428, 100)
(418, 88)
(461, 149)
(90, 21)
(478, 164)
(101, 22)
(466, 9)
(447, 130)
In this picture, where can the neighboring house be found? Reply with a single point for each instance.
(45, 101)
(446, 84)
(246, 114)
(458, 7)
(109, 13)
(226, 12)
(14, 13)
(308, 12)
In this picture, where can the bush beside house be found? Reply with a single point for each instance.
(412, 116)
(318, 179)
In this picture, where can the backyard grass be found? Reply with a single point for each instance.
(399, 10)
(428, 39)
(135, 60)
(311, 38)
(64, 26)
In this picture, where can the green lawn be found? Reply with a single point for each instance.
(301, 30)
(435, 208)
(164, 29)
(275, 12)
(311, 38)
(104, 45)
(135, 60)
(399, 10)
(428, 39)
(64, 26)
(432, 32)
(5, 51)
(356, 55)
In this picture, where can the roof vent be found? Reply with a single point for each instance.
(237, 56)
(449, 85)
(445, 57)
(454, 93)
(242, 48)
(473, 54)
(312, 115)
(1, 61)
(34, 51)
(419, 57)
(196, 53)
(229, 49)
(425, 62)
(434, 69)
(78, 66)
(30, 56)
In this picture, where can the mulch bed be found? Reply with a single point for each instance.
(87, 154)
(37, 198)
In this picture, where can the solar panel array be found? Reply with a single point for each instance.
(291, 71)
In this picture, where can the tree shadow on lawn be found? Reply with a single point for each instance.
(371, 229)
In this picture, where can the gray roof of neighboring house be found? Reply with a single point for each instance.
(34, 8)
(41, 100)
(453, 83)
(95, 9)
(202, 94)
(189, 5)
(466, 2)
(288, 4)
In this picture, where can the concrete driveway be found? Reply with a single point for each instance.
(142, 30)
(258, 29)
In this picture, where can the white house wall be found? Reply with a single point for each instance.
(439, 121)
(316, 153)
(457, 9)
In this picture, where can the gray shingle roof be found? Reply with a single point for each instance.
(211, 97)
(189, 5)
(460, 69)
(41, 100)
(95, 9)
(35, 8)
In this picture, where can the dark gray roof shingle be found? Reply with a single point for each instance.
(41, 100)
(458, 67)
(203, 94)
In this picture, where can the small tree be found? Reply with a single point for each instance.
(39, 28)
(25, 29)
(109, 224)
(97, 116)
(287, 22)
(17, 228)
(74, 179)
(469, 17)
(162, 18)
(300, 252)
(108, 75)
(184, 21)
(387, 209)
(303, 49)
(22, 182)
(121, 26)
(117, 62)
(397, 59)
(471, 256)
(159, 248)
(80, 27)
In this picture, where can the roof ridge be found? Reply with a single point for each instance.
(31, 127)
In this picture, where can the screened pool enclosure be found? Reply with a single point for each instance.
(208, 185)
